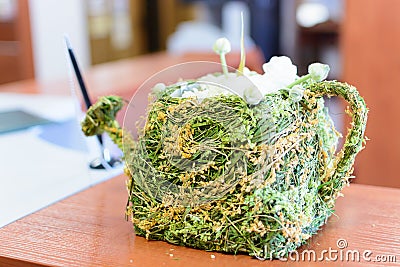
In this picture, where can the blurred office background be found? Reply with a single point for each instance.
(107, 30)
(359, 39)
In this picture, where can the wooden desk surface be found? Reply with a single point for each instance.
(89, 229)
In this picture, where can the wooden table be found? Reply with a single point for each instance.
(89, 229)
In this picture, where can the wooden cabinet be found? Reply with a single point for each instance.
(16, 61)
(116, 29)
(371, 61)
(125, 28)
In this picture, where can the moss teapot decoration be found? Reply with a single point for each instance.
(236, 162)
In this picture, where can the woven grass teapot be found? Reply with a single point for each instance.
(236, 162)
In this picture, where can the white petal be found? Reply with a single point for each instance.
(281, 70)
(188, 94)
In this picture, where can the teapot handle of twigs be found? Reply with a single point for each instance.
(355, 137)
(100, 118)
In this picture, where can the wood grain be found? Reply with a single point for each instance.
(89, 229)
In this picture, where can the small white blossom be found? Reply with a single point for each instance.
(279, 73)
(296, 93)
(222, 46)
(318, 71)
(158, 88)
(280, 70)
(252, 95)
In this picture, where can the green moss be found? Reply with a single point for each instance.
(221, 175)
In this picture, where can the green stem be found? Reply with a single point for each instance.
(223, 62)
(300, 80)
(242, 49)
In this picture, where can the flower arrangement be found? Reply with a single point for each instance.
(237, 162)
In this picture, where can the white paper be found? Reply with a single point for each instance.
(51, 107)
(35, 170)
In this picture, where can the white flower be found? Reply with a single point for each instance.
(296, 93)
(176, 93)
(203, 94)
(251, 86)
(252, 95)
(211, 86)
(222, 46)
(280, 70)
(318, 71)
(279, 73)
(265, 84)
(158, 88)
(187, 94)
